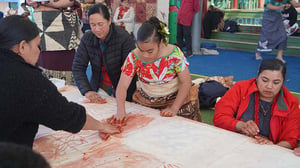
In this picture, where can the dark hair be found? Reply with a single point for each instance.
(274, 65)
(14, 29)
(18, 156)
(101, 9)
(149, 30)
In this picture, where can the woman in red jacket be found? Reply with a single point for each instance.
(262, 107)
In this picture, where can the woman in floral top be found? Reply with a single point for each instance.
(164, 80)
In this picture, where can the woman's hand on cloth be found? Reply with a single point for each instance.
(118, 120)
(262, 140)
(168, 112)
(106, 129)
(297, 151)
(249, 128)
(94, 97)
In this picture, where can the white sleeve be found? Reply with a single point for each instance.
(130, 16)
(115, 18)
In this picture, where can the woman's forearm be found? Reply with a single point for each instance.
(121, 92)
(273, 7)
(295, 4)
(185, 84)
(121, 98)
(60, 3)
(91, 123)
(183, 92)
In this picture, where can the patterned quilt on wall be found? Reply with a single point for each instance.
(58, 30)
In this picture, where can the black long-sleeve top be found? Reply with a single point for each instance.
(28, 99)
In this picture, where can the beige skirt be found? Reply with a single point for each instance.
(190, 109)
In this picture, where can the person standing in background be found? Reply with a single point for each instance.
(184, 21)
(124, 17)
(23, 10)
(85, 6)
(58, 22)
(273, 35)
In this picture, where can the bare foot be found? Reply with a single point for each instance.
(258, 56)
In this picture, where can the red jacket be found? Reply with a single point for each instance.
(285, 121)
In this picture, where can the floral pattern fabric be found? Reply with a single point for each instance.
(161, 71)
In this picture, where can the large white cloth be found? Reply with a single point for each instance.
(151, 141)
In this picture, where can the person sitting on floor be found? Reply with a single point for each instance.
(289, 15)
(262, 107)
(213, 21)
(164, 80)
(27, 97)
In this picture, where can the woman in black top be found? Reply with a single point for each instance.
(27, 98)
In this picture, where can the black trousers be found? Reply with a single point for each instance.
(184, 32)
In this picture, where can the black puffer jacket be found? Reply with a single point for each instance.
(118, 44)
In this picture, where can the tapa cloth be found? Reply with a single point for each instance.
(59, 30)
